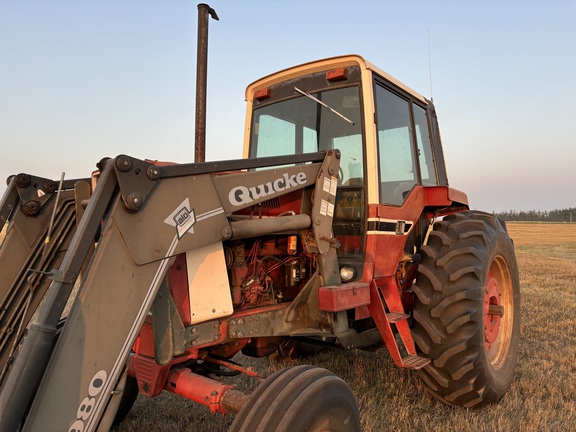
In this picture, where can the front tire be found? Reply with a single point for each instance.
(297, 399)
(467, 310)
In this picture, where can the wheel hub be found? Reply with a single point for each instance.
(493, 310)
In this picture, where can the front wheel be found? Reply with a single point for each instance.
(467, 309)
(300, 398)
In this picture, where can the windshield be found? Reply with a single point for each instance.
(303, 125)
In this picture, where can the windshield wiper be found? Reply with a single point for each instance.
(308, 95)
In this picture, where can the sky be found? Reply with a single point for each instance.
(84, 79)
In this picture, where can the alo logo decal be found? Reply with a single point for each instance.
(183, 218)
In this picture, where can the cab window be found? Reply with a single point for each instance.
(425, 155)
(398, 173)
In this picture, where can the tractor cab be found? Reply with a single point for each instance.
(390, 150)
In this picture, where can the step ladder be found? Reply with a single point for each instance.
(384, 295)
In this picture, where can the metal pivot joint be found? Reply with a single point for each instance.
(136, 178)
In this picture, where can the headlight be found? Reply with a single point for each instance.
(347, 274)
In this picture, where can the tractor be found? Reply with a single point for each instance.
(337, 228)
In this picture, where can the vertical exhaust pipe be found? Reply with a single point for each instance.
(201, 72)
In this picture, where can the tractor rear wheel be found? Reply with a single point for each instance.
(467, 309)
(300, 398)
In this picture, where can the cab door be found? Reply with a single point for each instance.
(405, 166)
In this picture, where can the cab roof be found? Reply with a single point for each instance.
(327, 63)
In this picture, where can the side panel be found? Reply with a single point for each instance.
(209, 286)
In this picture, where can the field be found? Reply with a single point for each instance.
(542, 397)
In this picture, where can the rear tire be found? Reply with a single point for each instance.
(300, 398)
(467, 310)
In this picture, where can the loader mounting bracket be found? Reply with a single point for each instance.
(136, 179)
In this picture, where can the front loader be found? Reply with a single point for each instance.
(338, 228)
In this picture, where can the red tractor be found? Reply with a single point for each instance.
(337, 228)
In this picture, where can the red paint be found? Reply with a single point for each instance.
(343, 297)
(492, 297)
(205, 391)
(384, 294)
(178, 281)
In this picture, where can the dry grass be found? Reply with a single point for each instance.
(542, 397)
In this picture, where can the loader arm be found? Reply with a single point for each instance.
(41, 223)
(146, 215)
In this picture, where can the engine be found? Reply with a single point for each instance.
(266, 270)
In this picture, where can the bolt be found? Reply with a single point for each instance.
(123, 163)
(240, 321)
(49, 186)
(153, 172)
(233, 334)
(194, 330)
(240, 334)
(226, 233)
(134, 201)
(30, 208)
(23, 180)
(215, 337)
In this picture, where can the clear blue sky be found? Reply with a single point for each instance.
(84, 79)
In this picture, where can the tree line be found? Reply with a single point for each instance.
(564, 215)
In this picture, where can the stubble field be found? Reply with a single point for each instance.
(542, 396)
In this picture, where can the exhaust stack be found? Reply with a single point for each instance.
(201, 72)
